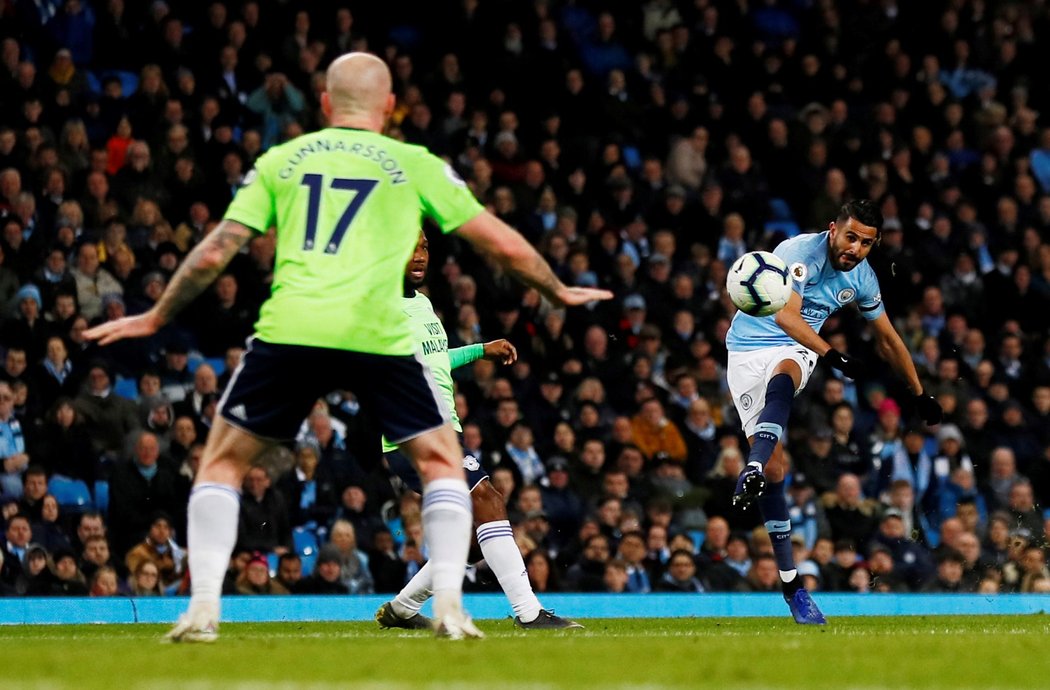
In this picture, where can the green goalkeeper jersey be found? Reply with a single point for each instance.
(348, 206)
(432, 343)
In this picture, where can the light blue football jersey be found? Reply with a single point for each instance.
(823, 290)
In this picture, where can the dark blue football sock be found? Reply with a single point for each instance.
(775, 512)
(779, 394)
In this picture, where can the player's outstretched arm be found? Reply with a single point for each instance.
(891, 348)
(495, 351)
(201, 267)
(494, 238)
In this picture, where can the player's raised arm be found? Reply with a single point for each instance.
(201, 267)
(891, 348)
(494, 238)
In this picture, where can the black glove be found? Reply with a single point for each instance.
(929, 409)
(850, 366)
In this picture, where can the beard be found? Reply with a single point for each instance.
(841, 263)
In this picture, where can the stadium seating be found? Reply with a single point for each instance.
(196, 359)
(309, 563)
(70, 493)
(126, 388)
(780, 221)
(218, 364)
(102, 496)
(129, 81)
(305, 541)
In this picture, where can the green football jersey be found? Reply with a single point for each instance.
(348, 206)
(429, 337)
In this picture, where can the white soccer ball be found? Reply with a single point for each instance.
(758, 283)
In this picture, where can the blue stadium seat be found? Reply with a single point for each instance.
(787, 228)
(70, 493)
(102, 496)
(780, 210)
(272, 561)
(94, 84)
(305, 541)
(218, 364)
(698, 537)
(309, 563)
(129, 81)
(126, 388)
(632, 157)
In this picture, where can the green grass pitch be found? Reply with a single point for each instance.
(920, 652)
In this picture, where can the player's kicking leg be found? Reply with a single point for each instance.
(496, 539)
(763, 480)
(213, 513)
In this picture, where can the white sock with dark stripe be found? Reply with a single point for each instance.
(447, 517)
(213, 512)
(496, 540)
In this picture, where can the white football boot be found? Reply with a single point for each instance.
(199, 624)
(451, 621)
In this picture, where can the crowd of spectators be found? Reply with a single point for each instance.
(642, 146)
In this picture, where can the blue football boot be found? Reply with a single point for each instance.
(805, 610)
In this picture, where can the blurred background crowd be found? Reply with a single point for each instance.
(642, 146)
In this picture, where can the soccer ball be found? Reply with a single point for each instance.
(758, 283)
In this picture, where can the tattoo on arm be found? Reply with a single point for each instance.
(535, 271)
(202, 265)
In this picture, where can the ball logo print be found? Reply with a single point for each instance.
(846, 295)
(758, 284)
(745, 401)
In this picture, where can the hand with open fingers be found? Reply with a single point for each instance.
(501, 351)
(575, 296)
(139, 326)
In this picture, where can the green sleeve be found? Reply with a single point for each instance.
(458, 356)
(254, 205)
(444, 195)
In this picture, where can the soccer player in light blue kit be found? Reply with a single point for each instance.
(771, 359)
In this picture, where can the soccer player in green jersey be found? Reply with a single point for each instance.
(347, 203)
(495, 536)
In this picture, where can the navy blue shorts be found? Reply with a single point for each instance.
(275, 387)
(401, 466)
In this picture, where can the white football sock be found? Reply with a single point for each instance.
(446, 530)
(213, 513)
(413, 595)
(496, 540)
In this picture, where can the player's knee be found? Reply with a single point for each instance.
(432, 463)
(488, 503)
(792, 369)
